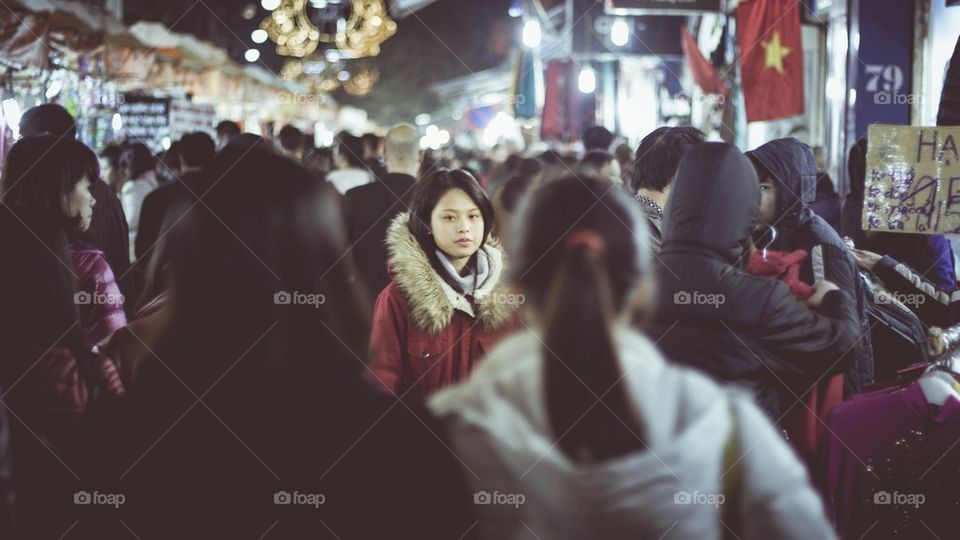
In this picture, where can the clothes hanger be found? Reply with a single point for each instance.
(763, 237)
(939, 381)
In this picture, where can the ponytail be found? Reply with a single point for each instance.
(587, 399)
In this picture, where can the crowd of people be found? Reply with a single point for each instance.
(251, 337)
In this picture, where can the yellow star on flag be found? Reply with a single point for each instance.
(776, 52)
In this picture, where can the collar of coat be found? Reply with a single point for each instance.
(432, 300)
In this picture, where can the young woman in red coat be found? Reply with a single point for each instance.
(446, 304)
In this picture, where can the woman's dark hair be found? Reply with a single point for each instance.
(580, 250)
(529, 168)
(424, 199)
(37, 285)
(351, 148)
(513, 190)
(319, 161)
(659, 154)
(112, 153)
(138, 157)
(597, 160)
(236, 262)
(42, 171)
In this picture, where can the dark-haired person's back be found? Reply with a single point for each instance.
(196, 149)
(369, 209)
(351, 169)
(263, 425)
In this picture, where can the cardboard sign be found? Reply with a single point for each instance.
(913, 180)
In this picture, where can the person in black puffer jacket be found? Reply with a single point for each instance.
(787, 168)
(714, 316)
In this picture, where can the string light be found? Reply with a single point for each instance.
(359, 36)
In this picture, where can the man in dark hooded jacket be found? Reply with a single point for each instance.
(728, 323)
(787, 171)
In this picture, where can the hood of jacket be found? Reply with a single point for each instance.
(794, 168)
(501, 412)
(431, 299)
(713, 205)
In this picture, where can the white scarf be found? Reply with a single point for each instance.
(467, 283)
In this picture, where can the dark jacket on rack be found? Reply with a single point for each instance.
(793, 166)
(714, 316)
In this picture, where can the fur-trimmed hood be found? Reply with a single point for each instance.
(432, 300)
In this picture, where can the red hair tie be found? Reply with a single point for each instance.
(583, 237)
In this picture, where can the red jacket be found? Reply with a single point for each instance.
(51, 397)
(426, 335)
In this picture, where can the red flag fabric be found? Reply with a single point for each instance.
(702, 70)
(771, 58)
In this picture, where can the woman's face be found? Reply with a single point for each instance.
(457, 226)
(768, 200)
(79, 203)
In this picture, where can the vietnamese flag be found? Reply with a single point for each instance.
(771, 58)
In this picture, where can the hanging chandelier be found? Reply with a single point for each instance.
(357, 30)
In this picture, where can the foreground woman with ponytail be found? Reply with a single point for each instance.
(579, 428)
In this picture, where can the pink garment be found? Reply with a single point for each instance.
(882, 452)
(98, 296)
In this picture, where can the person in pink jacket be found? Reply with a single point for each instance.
(50, 177)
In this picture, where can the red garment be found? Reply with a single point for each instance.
(99, 298)
(52, 397)
(804, 422)
(784, 267)
(408, 358)
(771, 61)
(704, 74)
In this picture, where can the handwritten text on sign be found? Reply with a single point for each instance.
(913, 180)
